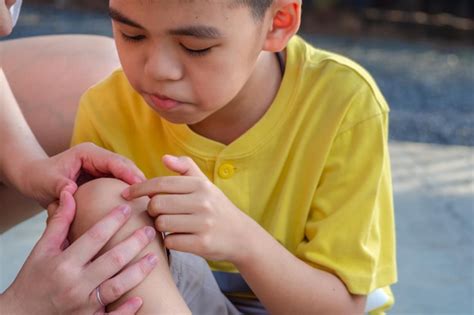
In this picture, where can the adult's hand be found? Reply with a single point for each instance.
(59, 280)
(44, 179)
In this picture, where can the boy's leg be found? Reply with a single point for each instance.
(48, 74)
(163, 291)
(158, 290)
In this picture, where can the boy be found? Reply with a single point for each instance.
(283, 181)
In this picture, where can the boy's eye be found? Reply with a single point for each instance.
(196, 52)
(130, 38)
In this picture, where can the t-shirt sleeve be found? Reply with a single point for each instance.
(350, 228)
(84, 127)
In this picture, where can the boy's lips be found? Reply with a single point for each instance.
(162, 102)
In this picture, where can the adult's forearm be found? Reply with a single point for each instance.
(17, 141)
(287, 285)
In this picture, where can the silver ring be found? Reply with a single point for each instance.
(97, 295)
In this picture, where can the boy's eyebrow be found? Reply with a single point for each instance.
(119, 17)
(199, 31)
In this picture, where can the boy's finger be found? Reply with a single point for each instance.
(58, 224)
(181, 224)
(188, 243)
(182, 165)
(175, 204)
(91, 242)
(161, 185)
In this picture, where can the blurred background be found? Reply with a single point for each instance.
(421, 53)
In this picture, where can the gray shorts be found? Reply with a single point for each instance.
(200, 291)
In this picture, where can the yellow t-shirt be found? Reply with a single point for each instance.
(314, 171)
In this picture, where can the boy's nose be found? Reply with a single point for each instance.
(163, 65)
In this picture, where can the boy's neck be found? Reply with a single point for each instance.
(248, 107)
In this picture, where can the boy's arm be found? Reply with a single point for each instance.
(199, 215)
(287, 285)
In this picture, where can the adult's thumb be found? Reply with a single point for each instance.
(58, 225)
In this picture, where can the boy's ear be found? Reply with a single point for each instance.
(286, 19)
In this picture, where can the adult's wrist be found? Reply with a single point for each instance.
(9, 304)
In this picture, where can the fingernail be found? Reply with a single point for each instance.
(126, 193)
(173, 158)
(152, 259)
(125, 209)
(150, 232)
(136, 302)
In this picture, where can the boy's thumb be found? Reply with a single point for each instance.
(182, 165)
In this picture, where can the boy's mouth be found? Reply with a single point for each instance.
(162, 102)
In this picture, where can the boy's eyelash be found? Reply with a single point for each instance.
(132, 38)
(193, 52)
(200, 52)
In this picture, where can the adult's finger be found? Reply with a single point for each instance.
(115, 259)
(98, 161)
(91, 242)
(112, 289)
(161, 185)
(58, 225)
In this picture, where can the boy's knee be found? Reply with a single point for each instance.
(96, 198)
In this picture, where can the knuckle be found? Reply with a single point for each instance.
(64, 271)
(142, 238)
(97, 234)
(157, 204)
(205, 242)
(86, 146)
(161, 223)
(187, 159)
(116, 290)
(169, 243)
(117, 259)
(204, 205)
(208, 223)
(144, 267)
(201, 184)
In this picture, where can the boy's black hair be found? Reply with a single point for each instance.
(258, 7)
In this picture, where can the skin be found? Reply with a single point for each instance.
(50, 115)
(155, 54)
(58, 279)
(158, 290)
(5, 17)
(158, 62)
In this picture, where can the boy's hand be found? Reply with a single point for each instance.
(44, 179)
(200, 218)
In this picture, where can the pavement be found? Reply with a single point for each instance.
(434, 207)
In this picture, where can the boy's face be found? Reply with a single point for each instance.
(187, 58)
